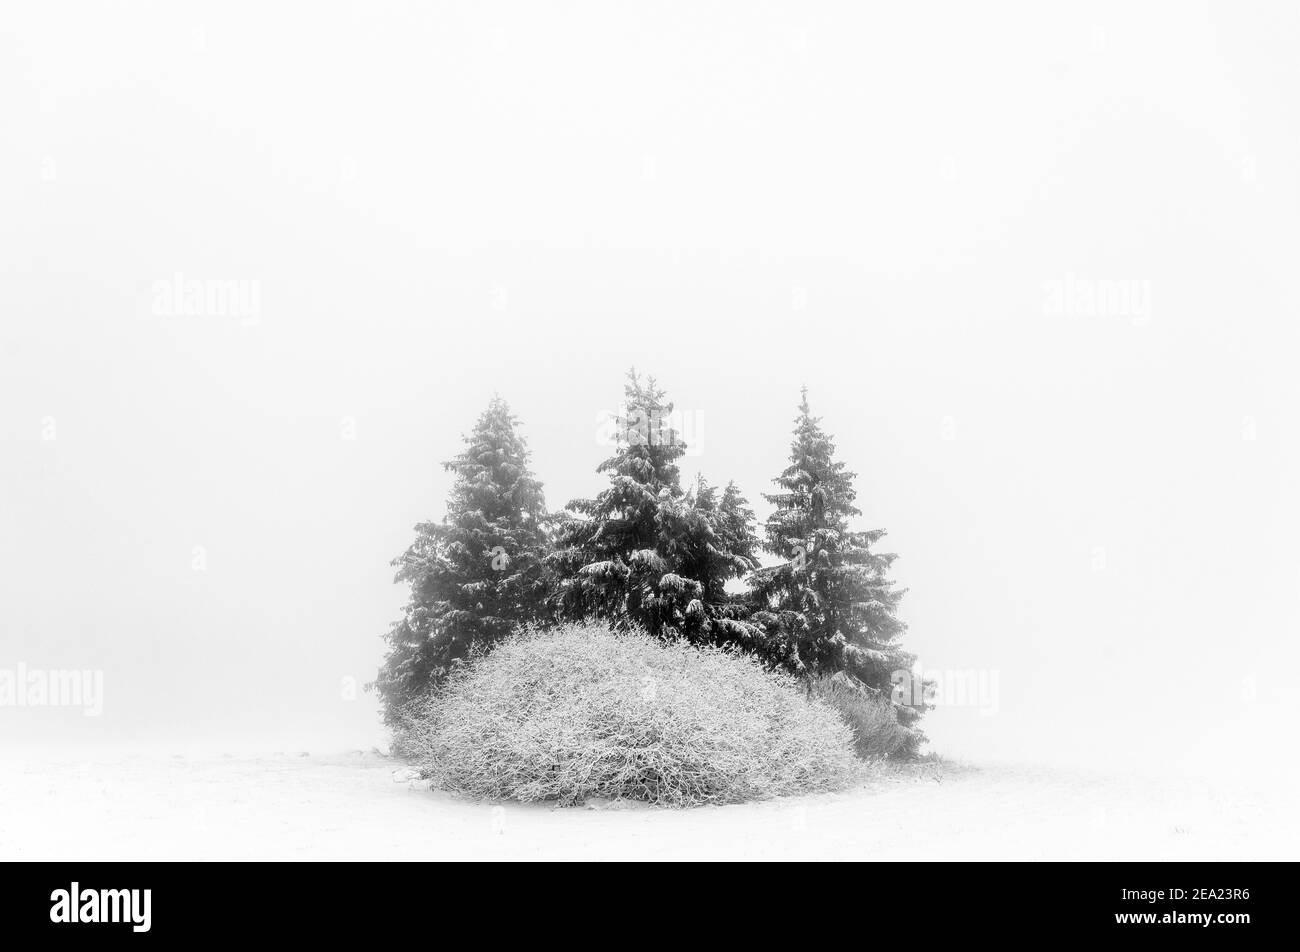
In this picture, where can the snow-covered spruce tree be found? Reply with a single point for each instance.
(476, 574)
(644, 552)
(720, 545)
(829, 606)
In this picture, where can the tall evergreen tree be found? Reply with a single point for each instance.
(476, 574)
(829, 606)
(643, 551)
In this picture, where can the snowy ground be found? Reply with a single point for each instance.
(289, 807)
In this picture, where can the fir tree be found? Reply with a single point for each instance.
(718, 547)
(476, 574)
(829, 606)
(643, 552)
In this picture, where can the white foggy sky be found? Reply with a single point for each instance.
(440, 201)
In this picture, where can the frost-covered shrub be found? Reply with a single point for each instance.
(876, 731)
(581, 712)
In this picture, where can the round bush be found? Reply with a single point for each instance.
(581, 712)
(876, 731)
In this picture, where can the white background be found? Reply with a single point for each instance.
(442, 201)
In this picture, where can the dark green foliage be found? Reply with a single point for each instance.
(475, 575)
